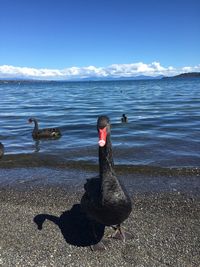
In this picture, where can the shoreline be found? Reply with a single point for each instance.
(73, 179)
(164, 229)
(32, 170)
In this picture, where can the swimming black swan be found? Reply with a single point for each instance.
(105, 200)
(1, 150)
(44, 133)
(124, 118)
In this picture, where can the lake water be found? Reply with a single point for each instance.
(163, 126)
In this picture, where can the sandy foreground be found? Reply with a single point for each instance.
(44, 226)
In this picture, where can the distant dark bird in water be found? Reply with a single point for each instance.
(105, 199)
(44, 133)
(124, 119)
(1, 150)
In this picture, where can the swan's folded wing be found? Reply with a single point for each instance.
(92, 188)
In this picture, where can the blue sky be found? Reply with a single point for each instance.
(64, 39)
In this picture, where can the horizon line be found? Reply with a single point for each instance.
(115, 71)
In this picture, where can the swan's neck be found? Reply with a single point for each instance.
(36, 128)
(106, 159)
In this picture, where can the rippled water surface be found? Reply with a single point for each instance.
(163, 128)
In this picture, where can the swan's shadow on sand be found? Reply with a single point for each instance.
(75, 226)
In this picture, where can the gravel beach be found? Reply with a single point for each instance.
(43, 225)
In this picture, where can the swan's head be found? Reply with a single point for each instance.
(30, 120)
(103, 128)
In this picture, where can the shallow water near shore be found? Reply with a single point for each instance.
(25, 172)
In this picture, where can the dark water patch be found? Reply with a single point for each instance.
(73, 180)
(53, 161)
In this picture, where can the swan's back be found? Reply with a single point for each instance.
(107, 203)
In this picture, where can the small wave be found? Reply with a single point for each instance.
(54, 161)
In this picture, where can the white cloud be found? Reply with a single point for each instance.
(113, 71)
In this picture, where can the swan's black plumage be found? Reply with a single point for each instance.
(1, 150)
(44, 133)
(105, 199)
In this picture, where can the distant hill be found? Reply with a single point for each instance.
(111, 78)
(96, 79)
(133, 78)
(185, 75)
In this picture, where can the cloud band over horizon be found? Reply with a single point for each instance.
(113, 71)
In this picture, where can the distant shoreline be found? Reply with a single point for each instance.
(189, 75)
(111, 79)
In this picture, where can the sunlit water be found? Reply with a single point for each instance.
(163, 126)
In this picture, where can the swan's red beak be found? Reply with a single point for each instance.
(102, 137)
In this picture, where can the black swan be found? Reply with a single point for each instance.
(1, 150)
(124, 118)
(44, 133)
(105, 200)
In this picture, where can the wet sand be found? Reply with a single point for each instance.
(42, 225)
